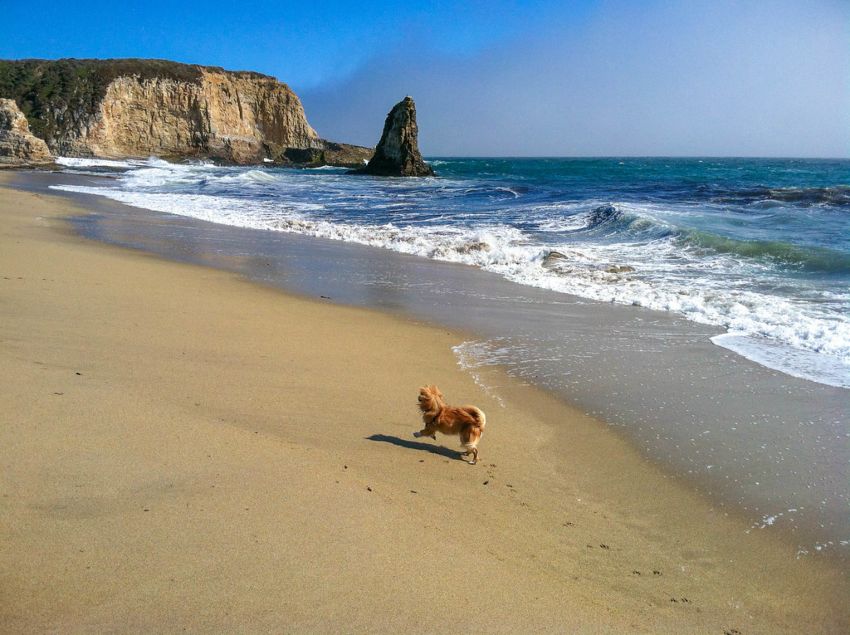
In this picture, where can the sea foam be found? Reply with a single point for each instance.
(628, 252)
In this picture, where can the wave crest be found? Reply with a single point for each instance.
(815, 259)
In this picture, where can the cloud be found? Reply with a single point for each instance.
(700, 78)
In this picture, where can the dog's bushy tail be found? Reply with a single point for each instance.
(478, 415)
(471, 435)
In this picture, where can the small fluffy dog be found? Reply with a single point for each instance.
(466, 421)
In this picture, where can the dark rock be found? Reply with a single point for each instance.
(603, 214)
(345, 155)
(306, 156)
(398, 153)
(619, 269)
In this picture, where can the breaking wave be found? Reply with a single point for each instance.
(611, 220)
(634, 253)
(809, 258)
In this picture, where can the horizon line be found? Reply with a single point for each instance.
(635, 156)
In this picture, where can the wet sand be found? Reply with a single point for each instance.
(185, 450)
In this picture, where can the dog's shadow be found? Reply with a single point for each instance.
(415, 445)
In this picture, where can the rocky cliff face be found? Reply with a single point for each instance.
(17, 145)
(121, 108)
(397, 154)
(224, 116)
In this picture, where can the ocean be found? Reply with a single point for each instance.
(758, 247)
(701, 307)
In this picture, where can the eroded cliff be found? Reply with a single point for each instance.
(17, 145)
(121, 108)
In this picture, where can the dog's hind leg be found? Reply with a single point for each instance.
(469, 440)
(470, 449)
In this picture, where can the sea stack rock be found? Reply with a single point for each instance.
(17, 145)
(397, 153)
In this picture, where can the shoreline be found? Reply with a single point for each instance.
(144, 465)
(748, 306)
(759, 443)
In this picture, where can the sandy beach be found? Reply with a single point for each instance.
(182, 450)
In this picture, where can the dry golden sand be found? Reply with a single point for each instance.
(184, 450)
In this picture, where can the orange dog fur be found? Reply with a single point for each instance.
(466, 421)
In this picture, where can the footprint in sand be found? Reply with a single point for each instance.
(654, 572)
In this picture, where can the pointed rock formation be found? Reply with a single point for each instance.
(17, 145)
(397, 153)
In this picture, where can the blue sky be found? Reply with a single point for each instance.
(303, 43)
(611, 77)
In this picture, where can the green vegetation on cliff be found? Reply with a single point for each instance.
(55, 95)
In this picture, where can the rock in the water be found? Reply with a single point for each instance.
(603, 214)
(17, 145)
(552, 258)
(619, 269)
(345, 154)
(397, 153)
(328, 153)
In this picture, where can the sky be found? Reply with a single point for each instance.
(502, 77)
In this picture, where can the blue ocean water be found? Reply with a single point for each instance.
(758, 247)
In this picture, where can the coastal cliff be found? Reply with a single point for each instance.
(17, 145)
(227, 116)
(127, 108)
